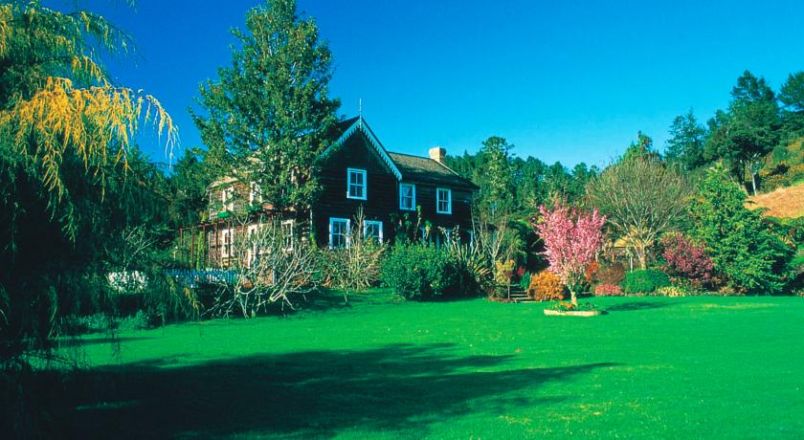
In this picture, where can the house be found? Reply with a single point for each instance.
(398, 193)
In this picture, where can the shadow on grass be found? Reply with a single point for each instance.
(639, 305)
(78, 341)
(402, 388)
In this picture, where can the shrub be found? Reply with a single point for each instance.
(422, 272)
(750, 255)
(644, 281)
(687, 260)
(611, 274)
(546, 286)
(673, 291)
(591, 272)
(524, 281)
(608, 290)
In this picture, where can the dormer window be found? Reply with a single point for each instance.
(443, 201)
(355, 184)
(407, 197)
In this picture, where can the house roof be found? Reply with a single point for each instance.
(406, 167)
(419, 168)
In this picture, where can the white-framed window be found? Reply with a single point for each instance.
(227, 198)
(443, 201)
(254, 194)
(227, 241)
(287, 227)
(338, 232)
(356, 184)
(407, 196)
(253, 245)
(372, 229)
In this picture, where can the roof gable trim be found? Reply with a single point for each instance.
(361, 125)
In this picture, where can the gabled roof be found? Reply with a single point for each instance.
(404, 166)
(359, 124)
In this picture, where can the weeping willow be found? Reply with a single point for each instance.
(67, 142)
(57, 103)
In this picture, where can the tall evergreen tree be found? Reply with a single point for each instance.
(741, 246)
(270, 108)
(495, 178)
(686, 142)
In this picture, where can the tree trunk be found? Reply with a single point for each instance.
(573, 297)
(754, 181)
(642, 254)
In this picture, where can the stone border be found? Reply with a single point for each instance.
(578, 313)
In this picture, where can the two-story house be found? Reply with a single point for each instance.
(356, 172)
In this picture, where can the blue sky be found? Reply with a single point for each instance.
(561, 80)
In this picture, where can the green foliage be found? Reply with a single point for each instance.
(424, 272)
(269, 110)
(644, 281)
(496, 196)
(750, 129)
(686, 142)
(741, 246)
(642, 148)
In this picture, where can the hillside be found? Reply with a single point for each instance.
(787, 202)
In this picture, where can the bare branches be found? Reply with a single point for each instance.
(641, 198)
(272, 264)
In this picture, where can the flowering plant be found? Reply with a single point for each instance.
(572, 240)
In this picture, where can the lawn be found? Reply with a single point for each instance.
(703, 367)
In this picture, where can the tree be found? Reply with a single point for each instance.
(495, 178)
(641, 198)
(65, 154)
(742, 248)
(791, 96)
(642, 148)
(686, 142)
(750, 129)
(270, 107)
(572, 240)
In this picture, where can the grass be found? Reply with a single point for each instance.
(702, 367)
(786, 202)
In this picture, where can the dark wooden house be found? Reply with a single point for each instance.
(398, 194)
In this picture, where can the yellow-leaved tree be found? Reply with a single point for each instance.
(64, 129)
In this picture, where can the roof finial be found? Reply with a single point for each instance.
(360, 108)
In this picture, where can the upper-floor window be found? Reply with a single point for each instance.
(338, 232)
(407, 197)
(227, 198)
(443, 201)
(373, 229)
(355, 184)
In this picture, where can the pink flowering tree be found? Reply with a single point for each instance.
(572, 239)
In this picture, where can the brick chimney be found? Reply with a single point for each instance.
(438, 154)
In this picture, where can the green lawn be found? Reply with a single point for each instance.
(704, 367)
